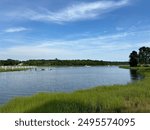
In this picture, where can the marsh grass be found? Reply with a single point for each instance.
(133, 97)
(15, 69)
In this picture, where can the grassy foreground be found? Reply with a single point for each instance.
(133, 97)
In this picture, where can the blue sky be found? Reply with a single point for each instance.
(73, 29)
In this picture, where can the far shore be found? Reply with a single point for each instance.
(13, 68)
(23, 68)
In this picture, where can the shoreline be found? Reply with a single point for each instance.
(14, 68)
(11, 70)
(24, 68)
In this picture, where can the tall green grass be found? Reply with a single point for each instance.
(133, 97)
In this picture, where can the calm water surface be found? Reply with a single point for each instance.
(60, 79)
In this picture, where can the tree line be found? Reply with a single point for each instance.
(9, 62)
(142, 57)
(136, 58)
(57, 62)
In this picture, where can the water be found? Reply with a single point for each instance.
(60, 79)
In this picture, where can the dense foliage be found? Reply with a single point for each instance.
(9, 62)
(133, 59)
(57, 62)
(143, 57)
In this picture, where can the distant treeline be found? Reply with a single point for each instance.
(57, 62)
(9, 62)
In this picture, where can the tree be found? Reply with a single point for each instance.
(144, 55)
(133, 59)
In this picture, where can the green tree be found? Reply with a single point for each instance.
(133, 59)
(144, 55)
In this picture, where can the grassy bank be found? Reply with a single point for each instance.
(9, 70)
(133, 97)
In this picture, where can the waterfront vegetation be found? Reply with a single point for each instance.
(58, 62)
(12, 69)
(133, 97)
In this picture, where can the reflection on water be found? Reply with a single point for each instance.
(135, 75)
(60, 79)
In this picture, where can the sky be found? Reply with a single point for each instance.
(73, 29)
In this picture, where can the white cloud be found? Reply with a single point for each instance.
(104, 47)
(34, 52)
(67, 48)
(119, 28)
(15, 29)
(75, 12)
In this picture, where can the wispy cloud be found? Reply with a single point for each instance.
(119, 28)
(74, 12)
(98, 47)
(15, 29)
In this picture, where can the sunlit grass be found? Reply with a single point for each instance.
(133, 97)
(14, 69)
